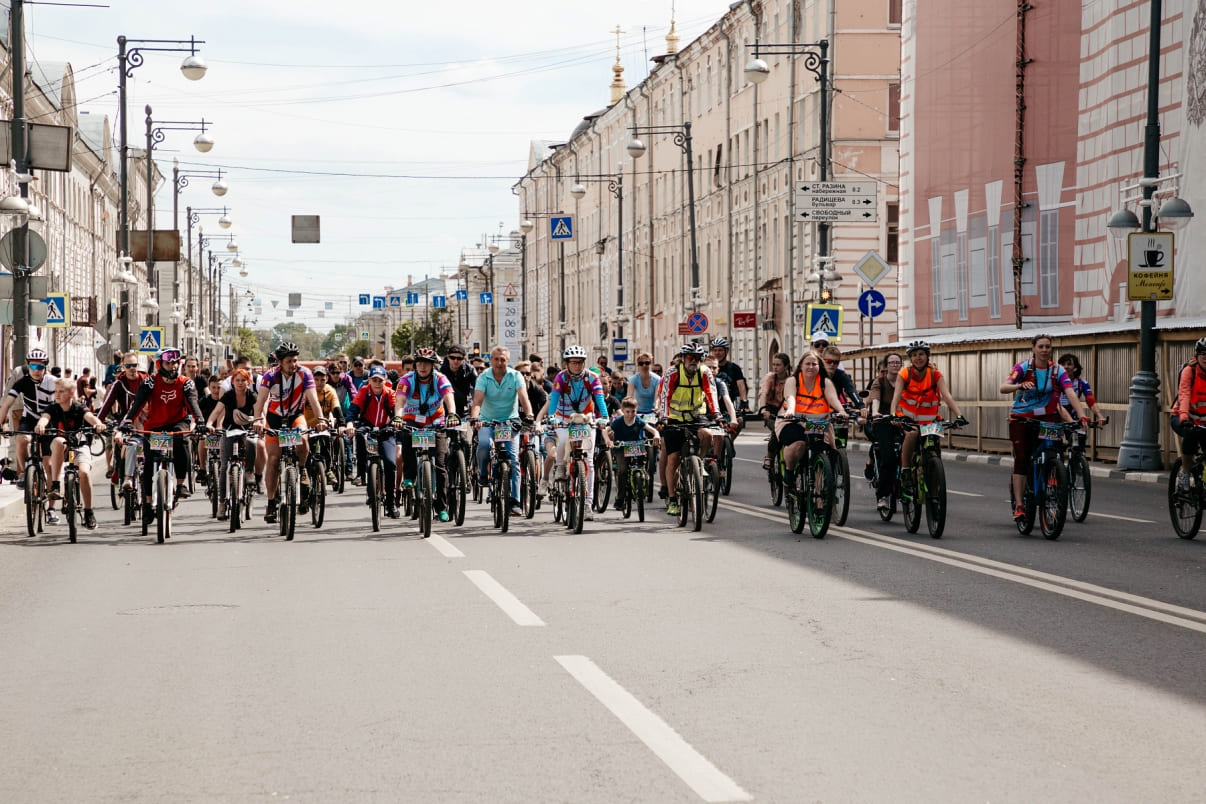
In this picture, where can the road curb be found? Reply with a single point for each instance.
(1096, 470)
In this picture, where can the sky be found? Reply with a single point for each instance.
(402, 125)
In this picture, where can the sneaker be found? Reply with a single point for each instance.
(619, 504)
(55, 492)
(52, 517)
(542, 488)
(883, 504)
(303, 505)
(358, 480)
(202, 478)
(672, 509)
(270, 512)
(223, 513)
(21, 483)
(443, 516)
(259, 485)
(332, 480)
(182, 492)
(1019, 512)
(663, 493)
(392, 512)
(869, 471)
(89, 519)
(517, 511)
(1182, 481)
(483, 481)
(766, 464)
(590, 515)
(127, 484)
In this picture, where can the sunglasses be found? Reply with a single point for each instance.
(37, 366)
(456, 357)
(644, 363)
(831, 362)
(130, 365)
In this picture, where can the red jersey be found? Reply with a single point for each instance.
(375, 410)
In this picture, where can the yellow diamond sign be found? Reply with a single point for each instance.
(872, 268)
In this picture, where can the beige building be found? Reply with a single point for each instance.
(749, 144)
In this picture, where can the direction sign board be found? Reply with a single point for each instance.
(462, 295)
(378, 303)
(561, 227)
(872, 268)
(619, 349)
(826, 319)
(697, 323)
(439, 302)
(871, 303)
(1149, 266)
(486, 298)
(684, 328)
(58, 310)
(150, 340)
(366, 299)
(829, 201)
(412, 299)
(745, 320)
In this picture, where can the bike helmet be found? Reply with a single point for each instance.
(722, 342)
(573, 352)
(1200, 346)
(286, 349)
(918, 346)
(37, 355)
(693, 349)
(168, 353)
(427, 355)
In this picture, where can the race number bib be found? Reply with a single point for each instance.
(370, 445)
(933, 428)
(161, 442)
(289, 437)
(423, 439)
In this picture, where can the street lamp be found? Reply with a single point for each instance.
(615, 185)
(682, 138)
(193, 68)
(1140, 447)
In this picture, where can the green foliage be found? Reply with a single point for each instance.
(246, 345)
(436, 329)
(337, 340)
(358, 348)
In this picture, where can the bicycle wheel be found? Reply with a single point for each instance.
(373, 478)
(456, 486)
(70, 498)
(495, 503)
(339, 463)
(819, 495)
(527, 487)
(558, 499)
(651, 471)
(113, 493)
(163, 507)
(1026, 523)
(211, 491)
(935, 496)
(726, 459)
(578, 496)
(504, 495)
(192, 463)
(425, 492)
(1185, 501)
(640, 484)
(318, 493)
(1080, 487)
(910, 503)
(624, 494)
(602, 482)
(774, 476)
(1055, 499)
(713, 486)
(234, 496)
(695, 479)
(797, 515)
(33, 499)
(129, 505)
(289, 484)
(841, 488)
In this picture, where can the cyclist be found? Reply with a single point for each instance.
(359, 374)
(36, 390)
(425, 399)
(207, 404)
(191, 368)
(285, 392)
(373, 406)
(808, 392)
(117, 402)
(643, 384)
(1037, 385)
(462, 377)
(66, 415)
(730, 373)
(575, 390)
(339, 378)
(170, 399)
(880, 431)
(627, 427)
(831, 357)
(236, 410)
(684, 395)
(920, 389)
(770, 394)
(499, 395)
(1190, 407)
(729, 417)
(1081, 386)
(328, 402)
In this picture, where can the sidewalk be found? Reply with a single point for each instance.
(1096, 469)
(12, 503)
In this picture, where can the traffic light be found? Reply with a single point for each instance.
(826, 295)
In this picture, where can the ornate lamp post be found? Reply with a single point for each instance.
(682, 138)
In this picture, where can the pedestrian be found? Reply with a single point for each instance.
(85, 388)
(113, 369)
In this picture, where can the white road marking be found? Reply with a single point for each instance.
(1160, 611)
(442, 545)
(964, 493)
(692, 767)
(1124, 518)
(748, 460)
(506, 601)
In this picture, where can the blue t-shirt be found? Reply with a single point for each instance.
(501, 399)
(624, 432)
(644, 396)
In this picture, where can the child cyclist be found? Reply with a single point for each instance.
(627, 427)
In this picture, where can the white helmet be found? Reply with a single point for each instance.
(573, 352)
(37, 355)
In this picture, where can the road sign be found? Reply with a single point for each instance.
(58, 310)
(697, 323)
(462, 295)
(1150, 266)
(394, 300)
(872, 268)
(619, 349)
(466, 333)
(510, 316)
(378, 303)
(439, 302)
(486, 298)
(683, 328)
(826, 201)
(871, 303)
(745, 320)
(364, 335)
(150, 340)
(412, 299)
(509, 292)
(37, 250)
(561, 228)
(826, 319)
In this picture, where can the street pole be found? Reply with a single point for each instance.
(1140, 447)
(21, 156)
(123, 212)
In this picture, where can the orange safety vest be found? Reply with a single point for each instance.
(1196, 407)
(810, 404)
(919, 400)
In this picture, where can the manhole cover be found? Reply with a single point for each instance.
(183, 608)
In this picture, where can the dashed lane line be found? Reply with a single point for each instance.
(503, 598)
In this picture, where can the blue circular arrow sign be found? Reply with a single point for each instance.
(871, 303)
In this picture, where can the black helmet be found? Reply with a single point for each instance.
(286, 349)
(1200, 346)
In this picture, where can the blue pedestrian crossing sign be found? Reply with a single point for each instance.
(412, 299)
(825, 319)
(561, 227)
(366, 299)
(378, 302)
(150, 340)
(395, 301)
(439, 302)
(58, 310)
(462, 295)
(486, 298)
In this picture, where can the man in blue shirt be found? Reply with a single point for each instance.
(498, 395)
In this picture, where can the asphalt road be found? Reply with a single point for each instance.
(628, 663)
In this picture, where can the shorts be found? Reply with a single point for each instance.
(275, 422)
(792, 433)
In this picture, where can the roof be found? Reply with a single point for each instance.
(50, 77)
(92, 129)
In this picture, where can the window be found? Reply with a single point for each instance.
(893, 108)
(993, 258)
(892, 235)
(894, 12)
(936, 278)
(1049, 258)
(961, 273)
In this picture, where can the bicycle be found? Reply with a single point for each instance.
(72, 501)
(602, 461)
(163, 482)
(36, 485)
(922, 484)
(374, 483)
(456, 487)
(653, 455)
(288, 491)
(131, 509)
(239, 492)
(529, 470)
(571, 488)
(1187, 490)
(499, 471)
(1080, 480)
(810, 496)
(316, 467)
(1046, 488)
(689, 479)
(841, 471)
(213, 445)
(339, 463)
(423, 442)
(633, 483)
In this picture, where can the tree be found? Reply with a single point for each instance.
(358, 348)
(337, 339)
(246, 345)
(435, 330)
